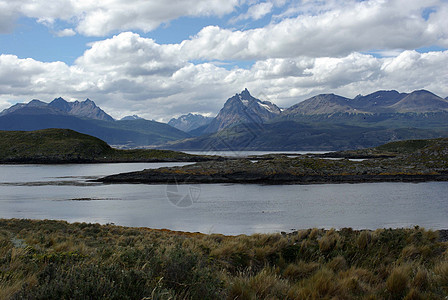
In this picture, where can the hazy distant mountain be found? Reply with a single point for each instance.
(243, 108)
(189, 122)
(85, 109)
(133, 117)
(378, 102)
(34, 106)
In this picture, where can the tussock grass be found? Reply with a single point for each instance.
(58, 260)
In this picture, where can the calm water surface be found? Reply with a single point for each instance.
(63, 192)
(248, 153)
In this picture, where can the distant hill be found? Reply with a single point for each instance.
(190, 122)
(86, 117)
(68, 146)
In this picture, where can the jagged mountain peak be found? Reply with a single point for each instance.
(245, 94)
(86, 109)
(243, 108)
(61, 104)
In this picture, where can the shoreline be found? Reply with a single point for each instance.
(443, 233)
(154, 177)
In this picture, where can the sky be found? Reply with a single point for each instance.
(161, 59)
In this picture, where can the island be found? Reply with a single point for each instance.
(401, 161)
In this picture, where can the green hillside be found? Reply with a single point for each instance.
(68, 146)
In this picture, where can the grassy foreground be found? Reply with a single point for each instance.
(58, 260)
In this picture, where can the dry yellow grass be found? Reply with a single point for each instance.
(46, 259)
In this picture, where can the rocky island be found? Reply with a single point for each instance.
(408, 161)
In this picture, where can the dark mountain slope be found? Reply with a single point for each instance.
(291, 135)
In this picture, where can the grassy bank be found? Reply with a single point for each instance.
(58, 260)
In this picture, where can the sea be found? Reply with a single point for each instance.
(67, 192)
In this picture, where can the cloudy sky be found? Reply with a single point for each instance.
(160, 59)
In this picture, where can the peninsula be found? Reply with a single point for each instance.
(59, 146)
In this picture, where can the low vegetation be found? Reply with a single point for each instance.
(58, 260)
(68, 146)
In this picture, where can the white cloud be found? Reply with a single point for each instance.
(7, 17)
(312, 49)
(65, 32)
(99, 18)
(360, 26)
(129, 73)
(256, 11)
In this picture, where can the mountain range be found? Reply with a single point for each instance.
(85, 117)
(85, 109)
(323, 122)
